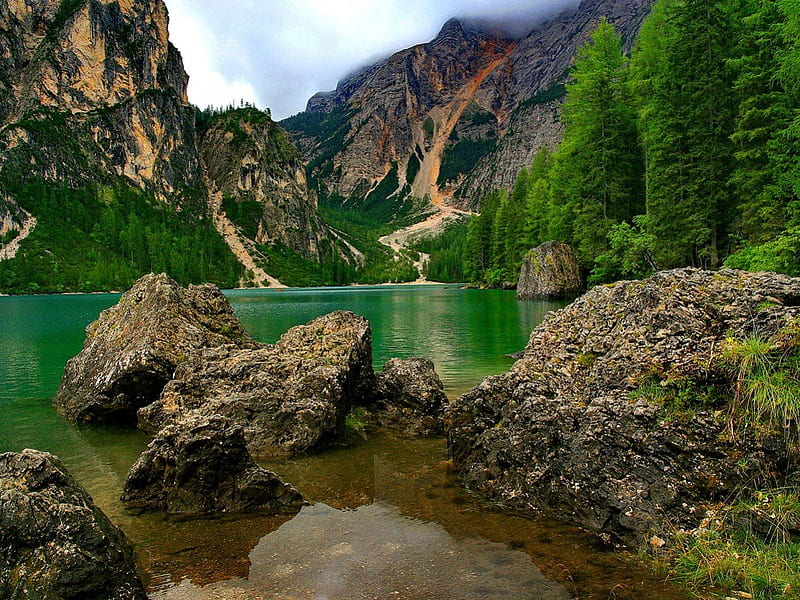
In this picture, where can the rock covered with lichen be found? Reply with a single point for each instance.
(132, 350)
(617, 416)
(551, 270)
(289, 398)
(201, 465)
(54, 541)
(409, 396)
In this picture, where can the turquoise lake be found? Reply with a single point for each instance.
(387, 520)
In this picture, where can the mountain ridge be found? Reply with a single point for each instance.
(398, 106)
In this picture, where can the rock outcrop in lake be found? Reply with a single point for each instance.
(549, 271)
(201, 465)
(409, 396)
(617, 415)
(134, 347)
(289, 398)
(54, 541)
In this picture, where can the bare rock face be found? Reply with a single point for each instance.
(550, 270)
(54, 541)
(573, 429)
(409, 396)
(289, 398)
(474, 91)
(201, 465)
(250, 158)
(133, 349)
(94, 88)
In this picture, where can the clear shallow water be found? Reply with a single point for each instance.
(387, 501)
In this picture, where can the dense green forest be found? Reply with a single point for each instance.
(97, 237)
(686, 152)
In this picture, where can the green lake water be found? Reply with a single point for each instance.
(387, 519)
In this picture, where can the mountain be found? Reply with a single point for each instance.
(103, 172)
(451, 119)
(253, 163)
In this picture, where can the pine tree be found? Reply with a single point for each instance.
(690, 117)
(596, 177)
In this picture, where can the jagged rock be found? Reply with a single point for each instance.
(201, 465)
(250, 158)
(565, 431)
(496, 91)
(289, 398)
(92, 89)
(550, 270)
(409, 396)
(134, 347)
(54, 541)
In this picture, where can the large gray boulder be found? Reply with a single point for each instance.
(201, 465)
(132, 350)
(289, 398)
(616, 416)
(550, 271)
(409, 396)
(55, 544)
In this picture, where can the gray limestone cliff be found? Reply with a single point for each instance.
(94, 88)
(456, 117)
(253, 163)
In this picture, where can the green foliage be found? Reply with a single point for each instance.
(412, 169)
(630, 254)
(781, 254)
(101, 238)
(555, 92)
(446, 262)
(292, 269)
(428, 127)
(244, 213)
(66, 9)
(596, 176)
(461, 157)
(329, 130)
(746, 549)
(688, 154)
(679, 397)
(766, 381)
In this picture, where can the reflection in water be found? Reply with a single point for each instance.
(400, 524)
(375, 552)
(398, 499)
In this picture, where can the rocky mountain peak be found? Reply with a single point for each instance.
(458, 116)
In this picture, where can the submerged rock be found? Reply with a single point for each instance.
(409, 396)
(54, 541)
(131, 351)
(201, 465)
(550, 270)
(288, 398)
(589, 422)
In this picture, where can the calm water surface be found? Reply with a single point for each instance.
(387, 519)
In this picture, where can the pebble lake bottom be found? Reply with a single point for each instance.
(388, 519)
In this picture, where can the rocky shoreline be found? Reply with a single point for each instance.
(617, 416)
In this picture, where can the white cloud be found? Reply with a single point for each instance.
(277, 53)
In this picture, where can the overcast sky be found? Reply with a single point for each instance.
(278, 53)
